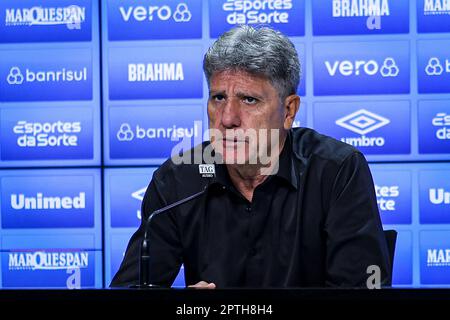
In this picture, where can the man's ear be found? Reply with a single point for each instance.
(291, 105)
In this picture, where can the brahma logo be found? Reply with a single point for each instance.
(72, 16)
(363, 122)
(163, 12)
(370, 67)
(356, 8)
(436, 7)
(42, 260)
(141, 72)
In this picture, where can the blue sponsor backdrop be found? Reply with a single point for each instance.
(45, 21)
(358, 17)
(370, 80)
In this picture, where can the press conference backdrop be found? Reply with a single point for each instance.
(94, 95)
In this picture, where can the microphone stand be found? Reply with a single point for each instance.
(144, 261)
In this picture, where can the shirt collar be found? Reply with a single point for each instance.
(286, 169)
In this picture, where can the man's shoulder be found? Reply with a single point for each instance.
(307, 143)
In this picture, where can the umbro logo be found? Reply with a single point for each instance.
(362, 121)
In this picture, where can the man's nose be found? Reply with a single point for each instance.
(231, 114)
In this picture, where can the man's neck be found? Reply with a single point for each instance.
(248, 176)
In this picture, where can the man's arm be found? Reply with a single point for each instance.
(165, 247)
(355, 238)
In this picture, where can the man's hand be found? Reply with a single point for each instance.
(203, 285)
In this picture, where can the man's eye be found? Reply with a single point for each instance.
(250, 100)
(218, 97)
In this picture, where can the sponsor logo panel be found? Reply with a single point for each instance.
(434, 126)
(45, 21)
(361, 68)
(434, 197)
(435, 257)
(373, 128)
(148, 20)
(433, 16)
(46, 133)
(433, 66)
(340, 17)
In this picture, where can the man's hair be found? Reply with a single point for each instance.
(259, 51)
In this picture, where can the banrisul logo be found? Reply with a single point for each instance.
(434, 126)
(435, 257)
(42, 21)
(65, 201)
(361, 68)
(46, 133)
(155, 73)
(58, 75)
(48, 268)
(146, 19)
(433, 16)
(284, 15)
(152, 131)
(372, 128)
(336, 17)
(434, 196)
(434, 66)
(393, 192)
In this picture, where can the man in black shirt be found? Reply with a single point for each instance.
(306, 216)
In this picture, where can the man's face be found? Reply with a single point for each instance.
(239, 106)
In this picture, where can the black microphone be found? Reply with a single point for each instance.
(144, 261)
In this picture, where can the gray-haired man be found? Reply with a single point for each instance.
(311, 219)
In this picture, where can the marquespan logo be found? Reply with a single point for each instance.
(47, 260)
(363, 122)
(72, 16)
(389, 68)
(436, 7)
(438, 257)
(357, 8)
(257, 11)
(156, 12)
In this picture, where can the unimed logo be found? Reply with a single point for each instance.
(40, 202)
(42, 260)
(439, 196)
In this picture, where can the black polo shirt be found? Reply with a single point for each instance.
(314, 223)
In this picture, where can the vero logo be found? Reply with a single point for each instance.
(362, 122)
(347, 68)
